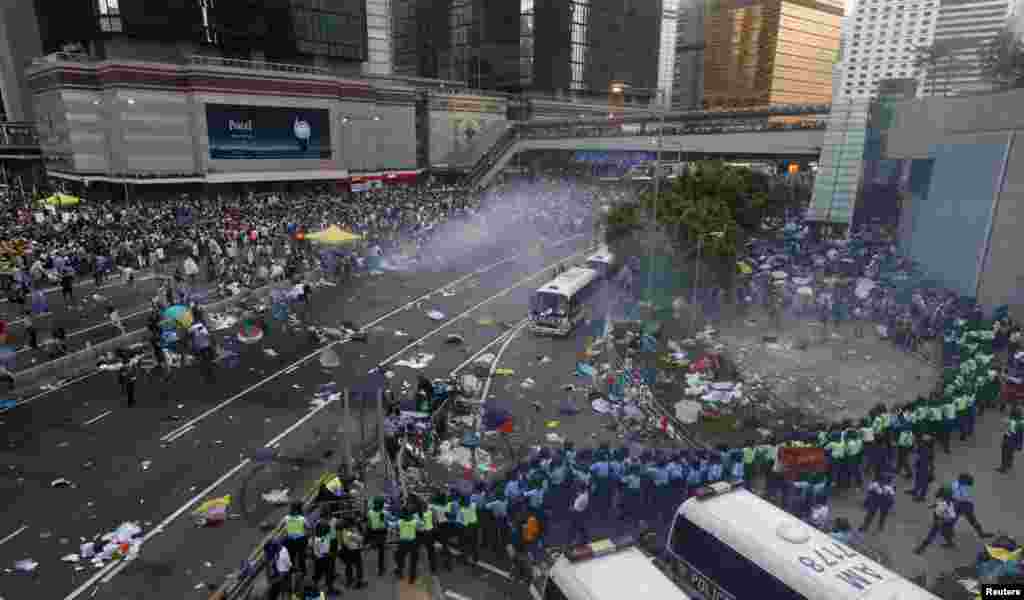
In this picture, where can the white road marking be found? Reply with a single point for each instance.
(484, 350)
(94, 327)
(97, 418)
(16, 533)
(71, 381)
(497, 358)
(177, 433)
(456, 318)
(291, 368)
(455, 595)
(111, 570)
(89, 282)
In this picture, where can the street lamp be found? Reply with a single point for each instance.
(618, 88)
(696, 277)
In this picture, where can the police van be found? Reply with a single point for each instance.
(607, 570)
(730, 544)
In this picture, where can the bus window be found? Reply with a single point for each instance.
(549, 303)
(714, 566)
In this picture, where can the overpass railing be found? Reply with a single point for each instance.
(589, 131)
(484, 163)
(18, 135)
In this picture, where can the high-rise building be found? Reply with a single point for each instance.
(963, 29)
(570, 46)
(688, 70)
(883, 41)
(761, 52)
(327, 34)
(19, 43)
(667, 52)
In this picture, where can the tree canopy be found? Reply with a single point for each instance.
(714, 204)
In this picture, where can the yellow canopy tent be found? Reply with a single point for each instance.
(62, 200)
(333, 235)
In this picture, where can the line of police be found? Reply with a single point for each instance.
(573, 487)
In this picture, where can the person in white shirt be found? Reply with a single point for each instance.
(578, 514)
(943, 518)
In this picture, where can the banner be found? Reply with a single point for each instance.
(797, 461)
(267, 132)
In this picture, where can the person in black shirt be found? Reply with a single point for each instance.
(67, 288)
(127, 377)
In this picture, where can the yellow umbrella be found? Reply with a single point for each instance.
(744, 268)
(333, 235)
(62, 200)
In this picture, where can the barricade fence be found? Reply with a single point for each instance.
(74, 364)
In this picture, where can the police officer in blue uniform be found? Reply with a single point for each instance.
(963, 501)
(601, 471)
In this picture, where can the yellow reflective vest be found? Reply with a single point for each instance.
(407, 530)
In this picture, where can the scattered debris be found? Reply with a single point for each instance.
(277, 497)
(270, 352)
(26, 565)
(418, 361)
(60, 483)
(454, 338)
(435, 315)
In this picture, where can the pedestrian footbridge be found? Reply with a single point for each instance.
(734, 136)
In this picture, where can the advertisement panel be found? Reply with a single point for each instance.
(268, 132)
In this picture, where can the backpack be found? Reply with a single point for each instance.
(531, 530)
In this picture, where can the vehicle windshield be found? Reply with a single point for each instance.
(545, 304)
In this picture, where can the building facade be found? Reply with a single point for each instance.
(312, 32)
(667, 51)
(571, 47)
(962, 30)
(761, 52)
(688, 70)
(884, 39)
(19, 43)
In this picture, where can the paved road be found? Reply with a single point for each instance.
(82, 433)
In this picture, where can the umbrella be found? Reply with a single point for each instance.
(744, 268)
(333, 235)
(779, 274)
(62, 200)
(251, 331)
(178, 315)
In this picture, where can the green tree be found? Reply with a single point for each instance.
(1002, 60)
(713, 207)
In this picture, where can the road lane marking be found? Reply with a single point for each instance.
(16, 533)
(63, 385)
(494, 364)
(90, 282)
(94, 327)
(97, 418)
(484, 350)
(463, 314)
(177, 434)
(291, 368)
(111, 570)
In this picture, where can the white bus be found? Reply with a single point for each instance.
(730, 544)
(603, 262)
(607, 570)
(560, 305)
